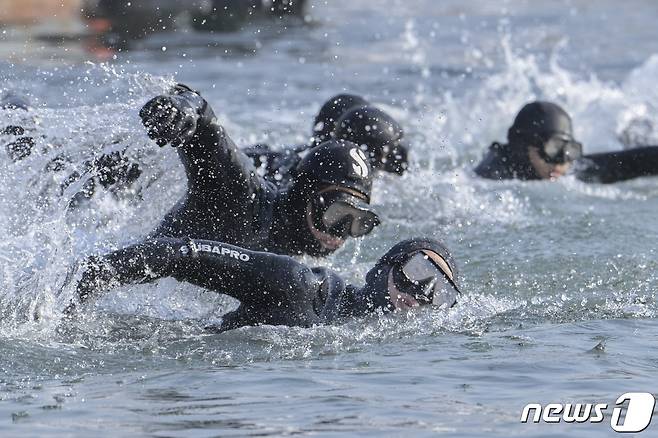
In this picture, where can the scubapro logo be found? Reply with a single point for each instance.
(638, 412)
(360, 165)
(216, 249)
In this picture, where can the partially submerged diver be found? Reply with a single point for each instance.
(540, 145)
(278, 290)
(227, 201)
(346, 117)
(114, 171)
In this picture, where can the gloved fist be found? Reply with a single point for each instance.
(169, 119)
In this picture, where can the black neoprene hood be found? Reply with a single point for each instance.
(537, 121)
(375, 292)
(335, 162)
(332, 110)
(379, 133)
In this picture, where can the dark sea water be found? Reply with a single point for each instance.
(560, 277)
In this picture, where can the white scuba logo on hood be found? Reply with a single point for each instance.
(360, 166)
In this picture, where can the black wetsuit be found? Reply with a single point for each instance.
(226, 200)
(606, 167)
(272, 289)
(345, 117)
(277, 167)
(610, 167)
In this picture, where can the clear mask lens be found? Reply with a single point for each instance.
(562, 149)
(342, 214)
(444, 294)
(429, 283)
(419, 268)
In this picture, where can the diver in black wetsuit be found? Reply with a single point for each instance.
(346, 117)
(277, 165)
(227, 201)
(112, 171)
(541, 146)
(275, 289)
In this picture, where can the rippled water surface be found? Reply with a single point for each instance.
(560, 278)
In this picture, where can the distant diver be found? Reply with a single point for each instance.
(343, 117)
(227, 201)
(278, 290)
(119, 23)
(540, 145)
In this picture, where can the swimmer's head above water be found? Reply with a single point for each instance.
(332, 188)
(414, 272)
(333, 109)
(540, 145)
(544, 130)
(380, 136)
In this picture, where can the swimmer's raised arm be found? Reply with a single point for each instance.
(215, 167)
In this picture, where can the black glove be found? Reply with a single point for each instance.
(173, 118)
(96, 277)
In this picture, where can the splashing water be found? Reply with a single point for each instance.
(550, 269)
